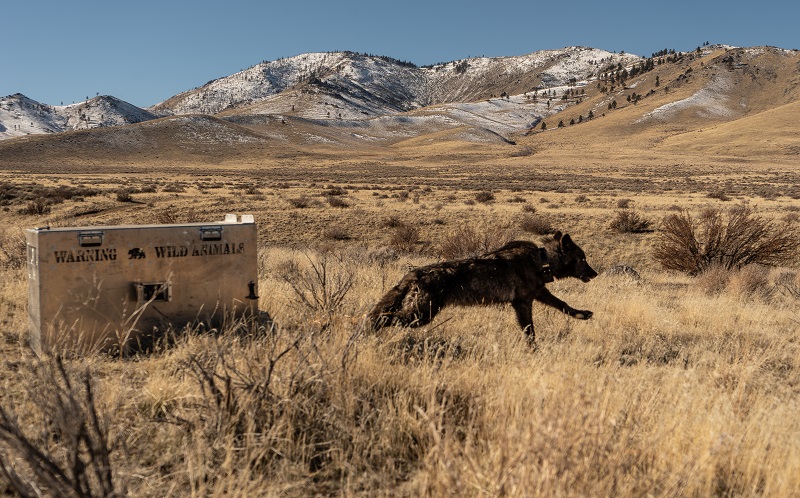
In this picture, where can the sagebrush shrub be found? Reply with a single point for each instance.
(747, 282)
(13, 249)
(713, 280)
(300, 202)
(630, 221)
(333, 190)
(322, 283)
(733, 240)
(124, 195)
(337, 202)
(37, 206)
(74, 456)
(788, 284)
(539, 225)
(466, 241)
(170, 214)
(750, 281)
(404, 238)
(336, 233)
(719, 195)
(392, 222)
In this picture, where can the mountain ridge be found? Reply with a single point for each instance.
(339, 84)
(637, 104)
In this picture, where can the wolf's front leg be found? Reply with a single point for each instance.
(547, 298)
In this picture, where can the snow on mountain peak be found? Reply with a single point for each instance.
(325, 85)
(20, 115)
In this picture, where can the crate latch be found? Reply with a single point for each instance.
(211, 233)
(90, 239)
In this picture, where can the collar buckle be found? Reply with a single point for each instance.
(547, 270)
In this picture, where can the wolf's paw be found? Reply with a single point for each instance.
(583, 314)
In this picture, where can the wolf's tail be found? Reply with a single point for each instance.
(384, 313)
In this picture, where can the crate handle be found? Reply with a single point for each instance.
(211, 233)
(90, 239)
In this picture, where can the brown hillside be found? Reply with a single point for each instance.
(706, 108)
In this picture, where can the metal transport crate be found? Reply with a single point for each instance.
(116, 288)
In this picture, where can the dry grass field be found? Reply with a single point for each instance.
(677, 386)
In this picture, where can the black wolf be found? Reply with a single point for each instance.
(516, 274)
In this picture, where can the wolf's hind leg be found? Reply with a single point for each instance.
(524, 311)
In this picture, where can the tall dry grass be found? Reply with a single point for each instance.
(678, 385)
(670, 390)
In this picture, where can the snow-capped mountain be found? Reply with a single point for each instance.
(352, 100)
(336, 85)
(103, 111)
(352, 86)
(20, 115)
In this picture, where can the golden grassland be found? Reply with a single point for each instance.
(677, 386)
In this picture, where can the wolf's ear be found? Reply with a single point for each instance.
(557, 235)
(566, 241)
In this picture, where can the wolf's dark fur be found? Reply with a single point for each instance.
(515, 274)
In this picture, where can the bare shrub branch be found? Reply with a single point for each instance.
(170, 214)
(13, 250)
(630, 221)
(466, 241)
(539, 225)
(404, 238)
(788, 284)
(74, 457)
(37, 206)
(739, 239)
(323, 285)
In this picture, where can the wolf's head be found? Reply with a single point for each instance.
(571, 260)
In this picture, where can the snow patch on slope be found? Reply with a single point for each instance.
(101, 112)
(20, 116)
(257, 82)
(709, 102)
(205, 130)
(344, 86)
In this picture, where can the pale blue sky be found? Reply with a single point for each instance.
(145, 51)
